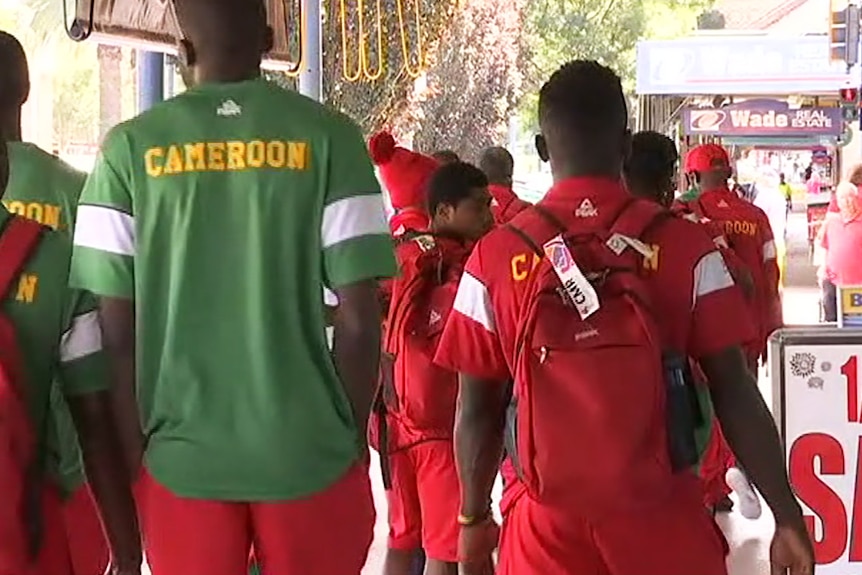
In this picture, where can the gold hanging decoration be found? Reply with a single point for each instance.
(363, 46)
(295, 70)
(345, 65)
(413, 72)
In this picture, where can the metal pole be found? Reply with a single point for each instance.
(151, 79)
(311, 78)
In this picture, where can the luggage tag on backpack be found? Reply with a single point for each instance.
(577, 286)
(618, 244)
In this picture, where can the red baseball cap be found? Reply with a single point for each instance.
(706, 157)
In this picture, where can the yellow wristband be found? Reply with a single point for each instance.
(469, 520)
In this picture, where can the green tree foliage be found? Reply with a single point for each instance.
(475, 81)
(76, 100)
(711, 20)
(603, 30)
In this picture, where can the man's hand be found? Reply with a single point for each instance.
(751, 434)
(476, 546)
(791, 552)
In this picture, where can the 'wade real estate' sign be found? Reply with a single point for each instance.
(763, 118)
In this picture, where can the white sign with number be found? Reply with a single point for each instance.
(823, 417)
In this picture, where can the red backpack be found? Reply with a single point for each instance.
(19, 506)
(433, 268)
(591, 420)
(421, 302)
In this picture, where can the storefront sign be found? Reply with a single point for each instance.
(763, 118)
(823, 435)
(850, 307)
(726, 64)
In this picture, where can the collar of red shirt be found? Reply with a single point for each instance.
(598, 190)
(721, 193)
(502, 194)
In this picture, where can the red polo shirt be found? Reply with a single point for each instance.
(505, 205)
(693, 291)
(748, 230)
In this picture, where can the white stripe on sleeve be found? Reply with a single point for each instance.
(352, 218)
(82, 338)
(769, 251)
(105, 229)
(474, 302)
(710, 275)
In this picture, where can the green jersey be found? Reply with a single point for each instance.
(43, 188)
(221, 212)
(57, 329)
(689, 195)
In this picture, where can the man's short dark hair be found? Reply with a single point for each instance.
(14, 75)
(583, 100)
(453, 183)
(446, 156)
(652, 161)
(222, 28)
(498, 164)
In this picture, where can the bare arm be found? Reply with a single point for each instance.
(751, 432)
(479, 426)
(108, 476)
(117, 318)
(356, 347)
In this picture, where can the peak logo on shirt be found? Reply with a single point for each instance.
(229, 108)
(226, 156)
(434, 318)
(586, 209)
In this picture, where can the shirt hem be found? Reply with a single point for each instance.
(248, 495)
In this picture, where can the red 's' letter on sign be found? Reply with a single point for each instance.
(818, 496)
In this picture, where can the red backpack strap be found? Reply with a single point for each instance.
(407, 291)
(17, 243)
(638, 218)
(535, 225)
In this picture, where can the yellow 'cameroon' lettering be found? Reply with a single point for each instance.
(651, 262)
(740, 228)
(256, 154)
(152, 161)
(175, 163)
(231, 156)
(27, 285)
(45, 214)
(236, 156)
(196, 157)
(520, 268)
(215, 155)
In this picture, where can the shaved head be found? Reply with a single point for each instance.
(223, 38)
(498, 164)
(14, 75)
